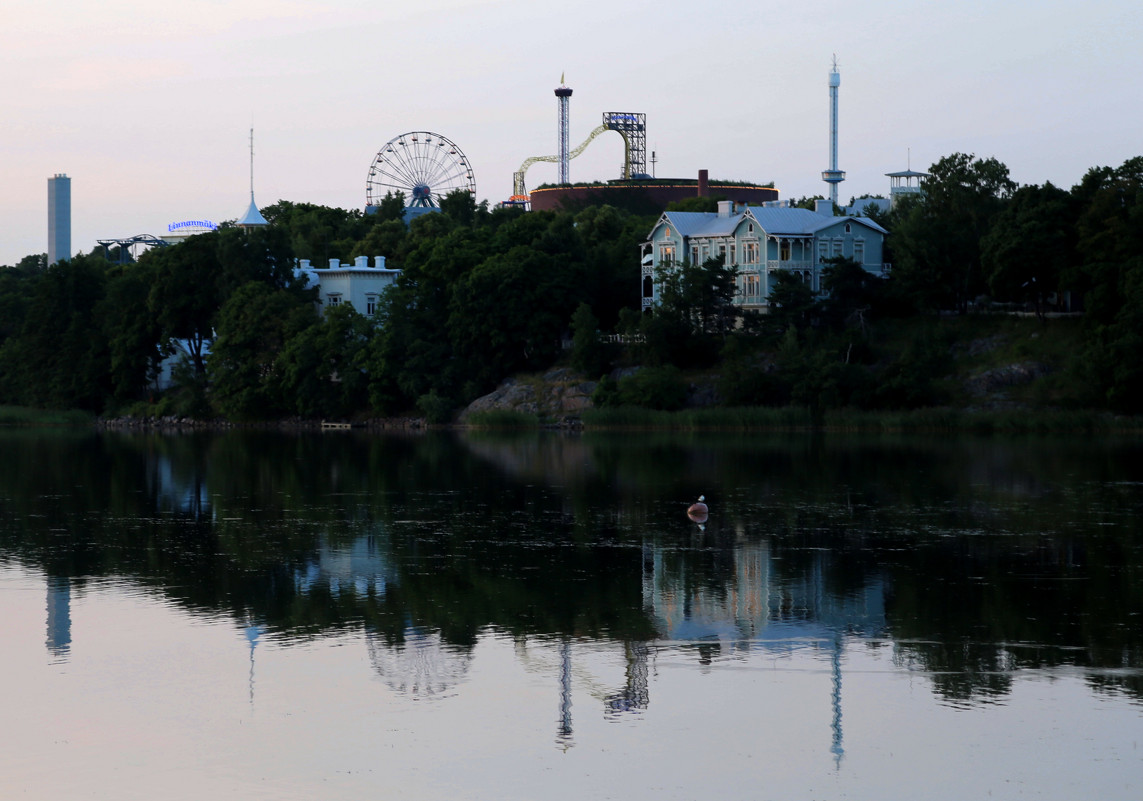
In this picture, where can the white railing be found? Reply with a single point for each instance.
(776, 264)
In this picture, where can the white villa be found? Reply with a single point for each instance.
(760, 241)
(357, 284)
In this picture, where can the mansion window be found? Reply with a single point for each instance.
(750, 286)
(370, 305)
(334, 300)
(666, 254)
(784, 251)
(749, 252)
(694, 254)
(859, 252)
(722, 253)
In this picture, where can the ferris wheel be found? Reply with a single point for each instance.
(424, 166)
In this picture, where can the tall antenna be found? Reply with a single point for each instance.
(833, 176)
(251, 162)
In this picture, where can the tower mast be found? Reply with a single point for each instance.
(833, 176)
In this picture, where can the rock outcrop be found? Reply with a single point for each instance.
(557, 394)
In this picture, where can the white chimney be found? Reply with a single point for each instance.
(379, 262)
(725, 208)
(823, 207)
(361, 262)
(334, 264)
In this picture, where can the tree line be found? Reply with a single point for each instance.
(484, 294)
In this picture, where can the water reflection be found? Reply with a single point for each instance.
(59, 617)
(971, 561)
(421, 665)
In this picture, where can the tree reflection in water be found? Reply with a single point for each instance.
(972, 560)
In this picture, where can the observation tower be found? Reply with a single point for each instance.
(563, 93)
(833, 176)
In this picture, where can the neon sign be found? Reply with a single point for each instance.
(192, 224)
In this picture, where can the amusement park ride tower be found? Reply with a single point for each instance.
(563, 94)
(833, 176)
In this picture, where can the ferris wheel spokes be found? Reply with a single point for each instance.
(424, 166)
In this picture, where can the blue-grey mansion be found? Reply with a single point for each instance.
(759, 241)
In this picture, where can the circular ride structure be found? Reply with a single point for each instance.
(422, 165)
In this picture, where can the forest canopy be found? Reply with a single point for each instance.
(484, 294)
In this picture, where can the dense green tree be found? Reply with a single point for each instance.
(413, 352)
(33, 263)
(589, 352)
(792, 302)
(391, 208)
(324, 365)
(461, 206)
(938, 242)
(809, 203)
(254, 326)
(1030, 246)
(59, 359)
(653, 388)
(319, 233)
(261, 254)
(387, 238)
(185, 295)
(15, 290)
(509, 314)
(1110, 234)
(701, 295)
(705, 204)
(849, 292)
(132, 331)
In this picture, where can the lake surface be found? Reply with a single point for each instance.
(263, 615)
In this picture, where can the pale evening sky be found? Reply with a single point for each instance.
(147, 106)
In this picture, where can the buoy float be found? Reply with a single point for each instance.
(698, 511)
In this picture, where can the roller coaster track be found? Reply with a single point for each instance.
(520, 192)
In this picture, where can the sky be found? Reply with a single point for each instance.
(148, 107)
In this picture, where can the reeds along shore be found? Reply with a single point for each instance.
(747, 418)
(791, 418)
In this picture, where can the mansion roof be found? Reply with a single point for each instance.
(774, 221)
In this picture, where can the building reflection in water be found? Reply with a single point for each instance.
(183, 492)
(755, 609)
(59, 618)
(361, 568)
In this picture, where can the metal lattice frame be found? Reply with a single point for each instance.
(633, 127)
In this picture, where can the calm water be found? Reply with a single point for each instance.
(257, 615)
